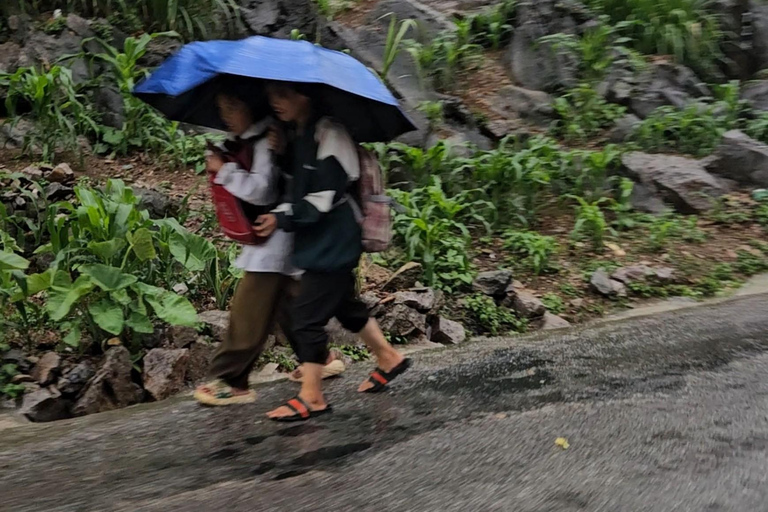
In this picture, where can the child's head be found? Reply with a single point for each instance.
(290, 102)
(235, 113)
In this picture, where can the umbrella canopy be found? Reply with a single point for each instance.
(184, 87)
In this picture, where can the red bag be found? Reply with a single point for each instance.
(231, 211)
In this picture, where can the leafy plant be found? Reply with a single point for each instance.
(554, 303)
(622, 206)
(750, 264)
(695, 130)
(493, 28)
(590, 221)
(659, 232)
(535, 249)
(488, 317)
(445, 57)
(394, 42)
(56, 107)
(583, 113)
(7, 388)
(433, 110)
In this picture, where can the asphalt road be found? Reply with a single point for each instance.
(668, 413)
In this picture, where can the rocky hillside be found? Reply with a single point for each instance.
(572, 158)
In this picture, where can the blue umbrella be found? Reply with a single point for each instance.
(184, 87)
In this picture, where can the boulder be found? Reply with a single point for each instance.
(9, 57)
(405, 277)
(402, 321)
(74, 380)
(62, 173)
(646, 200)
(632, 274)
(198, 363)
(47, 368)
(527, 305)
(682, 182)
(741, 159)
(338, 335)
(512, 102)
(447, 332)
(45, 404)
(606, 286)
(217, 321)
(759, 17)
(624, 128)
(733, 19)
(181, 336)
(376, 275)
(663, 83)
(423, 300)
(549, 322)
(158, 204)
(109, 102)
(756, 94)
(493, 283)
(111, 387)
(537, 65)
(664, 274)
(57, 192)
(18, 358)
(165, 371)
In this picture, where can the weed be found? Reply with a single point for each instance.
(750, 264)
(537, 250)
(355, 353)
(690, 231)
(445, 57)
(394, 43)
(569, 290)
(554, 303)
(433, 110)
(488, 317)
(659, 232)
(583, 114)
(590, 221)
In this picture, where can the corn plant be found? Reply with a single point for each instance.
(57, 109)
(590, 221)
(394, 43)
(536, 250)
(493, 28)
(445, 57)
(583, 114)
(695, 130)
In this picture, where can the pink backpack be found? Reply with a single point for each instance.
(374, 213)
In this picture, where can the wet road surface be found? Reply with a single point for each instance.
(668, 413)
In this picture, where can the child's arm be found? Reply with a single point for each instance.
(259, 186)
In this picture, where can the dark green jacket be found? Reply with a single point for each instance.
(327, 235)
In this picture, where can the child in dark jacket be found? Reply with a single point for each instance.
(327, 246)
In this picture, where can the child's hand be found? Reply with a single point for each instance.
(214, 163)
(265, 225)
(276, 139)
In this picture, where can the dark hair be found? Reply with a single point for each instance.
(249, 92)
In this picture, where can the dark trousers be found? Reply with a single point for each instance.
(322, 296)
(260, 302)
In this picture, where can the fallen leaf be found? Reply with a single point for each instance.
(617, 251)
(562, 443)
(114, 342)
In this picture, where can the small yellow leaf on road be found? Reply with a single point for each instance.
(562, 443)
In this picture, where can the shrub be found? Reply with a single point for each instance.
(590, 221)
(695, 130)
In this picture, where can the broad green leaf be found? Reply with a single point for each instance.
(174, 309)
(62, 298)
(11, 261)
(140, 323)
(121, 297)
(143, 245)
(108, 315)
(172, 224)
(106, 250)
(192, 251)
(72, 338)
(108, 278)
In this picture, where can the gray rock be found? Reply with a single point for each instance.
(111, 387)
(9, 57)
(158, 204)
(526, 305)
(44, 405)
(682, 182)
(109, 102)
(34, 172)
(734, 20)
(759, 17)
(217, 321)
(644, 199)
(181, 336)
(512, 101)
(549, 322)
(62, 173)
(664, 274)
(74, 380)
(338, 335)
(400, 320)
(405, 277)
(624, 128)
(756, 94)
(493, 283)
(606, 286)
(537, 65)
(57, 192)
(447, 332)
(18, 358)
(741, 159)
(165, 371)
(198, 363)
(632, 274)
(422, 301)
(47, 368)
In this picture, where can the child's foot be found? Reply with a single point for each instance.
(334, 366)
(298, 409)
(218, 393)
(389, 368)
